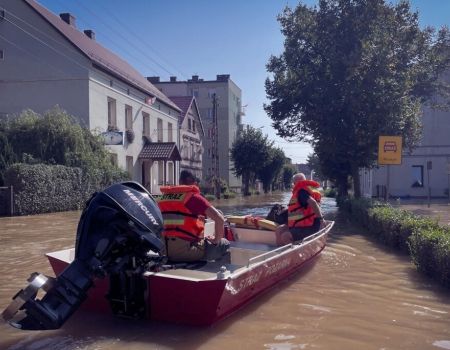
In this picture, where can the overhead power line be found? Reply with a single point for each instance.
(126, 27)
(118, 33)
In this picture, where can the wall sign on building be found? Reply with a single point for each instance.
(113, 137)
(389, 150)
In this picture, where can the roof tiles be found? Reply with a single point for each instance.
(160, 151)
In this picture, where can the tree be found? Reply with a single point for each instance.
(287, 173)
(7, 156)
(249, 153)
(269, 172)
(56, 138)
(352, 70)
(313, 163)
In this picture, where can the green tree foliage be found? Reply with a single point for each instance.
(56, 138)
(250, 152)
(7, 156)
(313, 163)
(269, 172)
(352, 70)
(287, 173)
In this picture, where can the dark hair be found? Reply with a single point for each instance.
(187, 178)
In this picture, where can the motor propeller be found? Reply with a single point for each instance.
(119, 233)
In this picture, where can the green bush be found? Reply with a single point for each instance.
(45, 188)
(330, 193)
(210, 197)
(430, 251)
(229, 194)
(426, 241)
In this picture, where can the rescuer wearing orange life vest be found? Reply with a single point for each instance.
(304, 215)
(184, 211)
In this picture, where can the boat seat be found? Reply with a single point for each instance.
(252, 246)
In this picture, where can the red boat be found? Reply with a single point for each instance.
(202, 295)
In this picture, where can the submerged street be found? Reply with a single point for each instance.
(357, 295)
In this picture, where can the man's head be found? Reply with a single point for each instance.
(298, 177)
(187, 178)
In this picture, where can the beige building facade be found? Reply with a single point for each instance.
(48, 61)
(220, 105)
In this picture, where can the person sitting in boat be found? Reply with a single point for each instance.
(304, 214)
(184, 211)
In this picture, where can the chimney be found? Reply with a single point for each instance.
(223, 77)
(90, 33)
(173, 79)
(68, 18)
(153, 79)
(195, 78)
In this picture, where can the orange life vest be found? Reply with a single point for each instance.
(179, 221)
(297, 215)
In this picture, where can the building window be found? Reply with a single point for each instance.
(189, 124)
(160, 173)
(129, 160)
(112, 121)
(2, 55)
(146, 124)
(210, 113)
(417, 176)
(114, 159)
(128, 117)
(194, 92)
(169, 132)
(211, 92)
(2, 13)
(170, 173)
(193, 125)
(159, 129)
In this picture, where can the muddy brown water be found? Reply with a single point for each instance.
(357, 295)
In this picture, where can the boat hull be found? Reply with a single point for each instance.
(205, 297)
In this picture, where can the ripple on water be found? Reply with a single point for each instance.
(284, 337)
(284, 346)
(316, 307)
(443, 344)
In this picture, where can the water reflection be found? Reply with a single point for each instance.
(357, 295)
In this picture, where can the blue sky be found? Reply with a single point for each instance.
(183, 38)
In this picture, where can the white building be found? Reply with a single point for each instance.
(424, 171)
(220, 105)
(191, 134)
(46, 61)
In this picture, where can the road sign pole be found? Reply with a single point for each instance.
(388, 176)
(429, 167)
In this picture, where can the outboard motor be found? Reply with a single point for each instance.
(118, 236)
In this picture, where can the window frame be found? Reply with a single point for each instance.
(416, 183)
(145, 125)
(112, 112)
(128, 117)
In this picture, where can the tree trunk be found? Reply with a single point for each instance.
(356, 182)
(342, 186)
(246, 181)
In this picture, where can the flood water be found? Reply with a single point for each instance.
(357, 295)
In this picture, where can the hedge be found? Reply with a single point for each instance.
(41, 188)
(423, 238)
(44, 188)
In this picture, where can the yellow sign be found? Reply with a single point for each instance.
(389, 150)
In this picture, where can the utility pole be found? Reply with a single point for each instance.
(215, 146)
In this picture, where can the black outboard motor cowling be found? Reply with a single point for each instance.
(119, 234)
